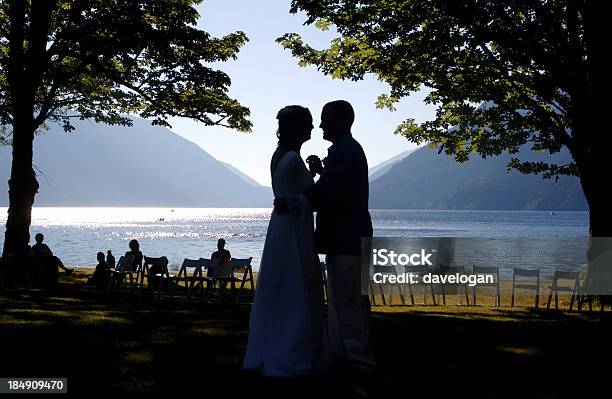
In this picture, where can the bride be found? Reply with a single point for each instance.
(287, 332)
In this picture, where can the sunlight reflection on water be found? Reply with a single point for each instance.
(77, 233)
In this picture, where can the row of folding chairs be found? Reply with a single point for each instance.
(522, 279)
(195, 274)
(562, 281)
(419, 271)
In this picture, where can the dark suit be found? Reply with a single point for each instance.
(340, 198)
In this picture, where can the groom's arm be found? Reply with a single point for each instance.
(324, 192)
(327, 191)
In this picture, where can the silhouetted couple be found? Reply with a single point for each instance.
(288, 334)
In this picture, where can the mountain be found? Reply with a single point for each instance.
(378, 170)
(242, 175)
(428, 180)
(141, 165)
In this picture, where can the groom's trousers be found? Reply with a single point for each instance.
(348, 312)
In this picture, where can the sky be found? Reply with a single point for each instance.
(265, 78)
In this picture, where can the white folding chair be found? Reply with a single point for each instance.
(491, 270)
(224, 274)
(121, 272)
(191, 273)
(450, 270)
(573, 283)
(383, 271)
(418, 271)
(210, 266)
(163, 275)
(520, 272)
(161, 265)
(243, 266)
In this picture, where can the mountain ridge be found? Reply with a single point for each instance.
(380, 169)
(428, 180)
(141, 165)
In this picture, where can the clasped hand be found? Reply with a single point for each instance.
(316, 167)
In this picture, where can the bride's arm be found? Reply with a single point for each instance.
(299, 181)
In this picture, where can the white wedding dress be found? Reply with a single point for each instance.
(287, 330)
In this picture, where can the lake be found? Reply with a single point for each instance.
(76, 234)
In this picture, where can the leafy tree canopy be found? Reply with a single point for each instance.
(107, 58)
(502, 73)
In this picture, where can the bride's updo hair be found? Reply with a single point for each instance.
(292, 120)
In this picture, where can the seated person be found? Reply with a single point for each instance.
(102, 274)
(135, 251)
(221, 253)
(110, 260)
(41, 272)
(44, 256)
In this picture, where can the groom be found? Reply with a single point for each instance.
(340, 198)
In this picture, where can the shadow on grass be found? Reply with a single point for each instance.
(108, 343)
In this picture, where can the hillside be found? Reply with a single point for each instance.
(428, 180)
(142, 165)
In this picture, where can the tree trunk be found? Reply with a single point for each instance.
(22, 184)
(22, 188)
(593, 160)
(594, 167)
(593, 115)
(591, 140)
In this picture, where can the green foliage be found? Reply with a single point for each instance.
(501, 73)
(105, 59)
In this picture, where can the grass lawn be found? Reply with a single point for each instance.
(108, 343)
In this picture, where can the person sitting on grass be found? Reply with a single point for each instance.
(45, 257)
(41, 273)
(102, 274)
